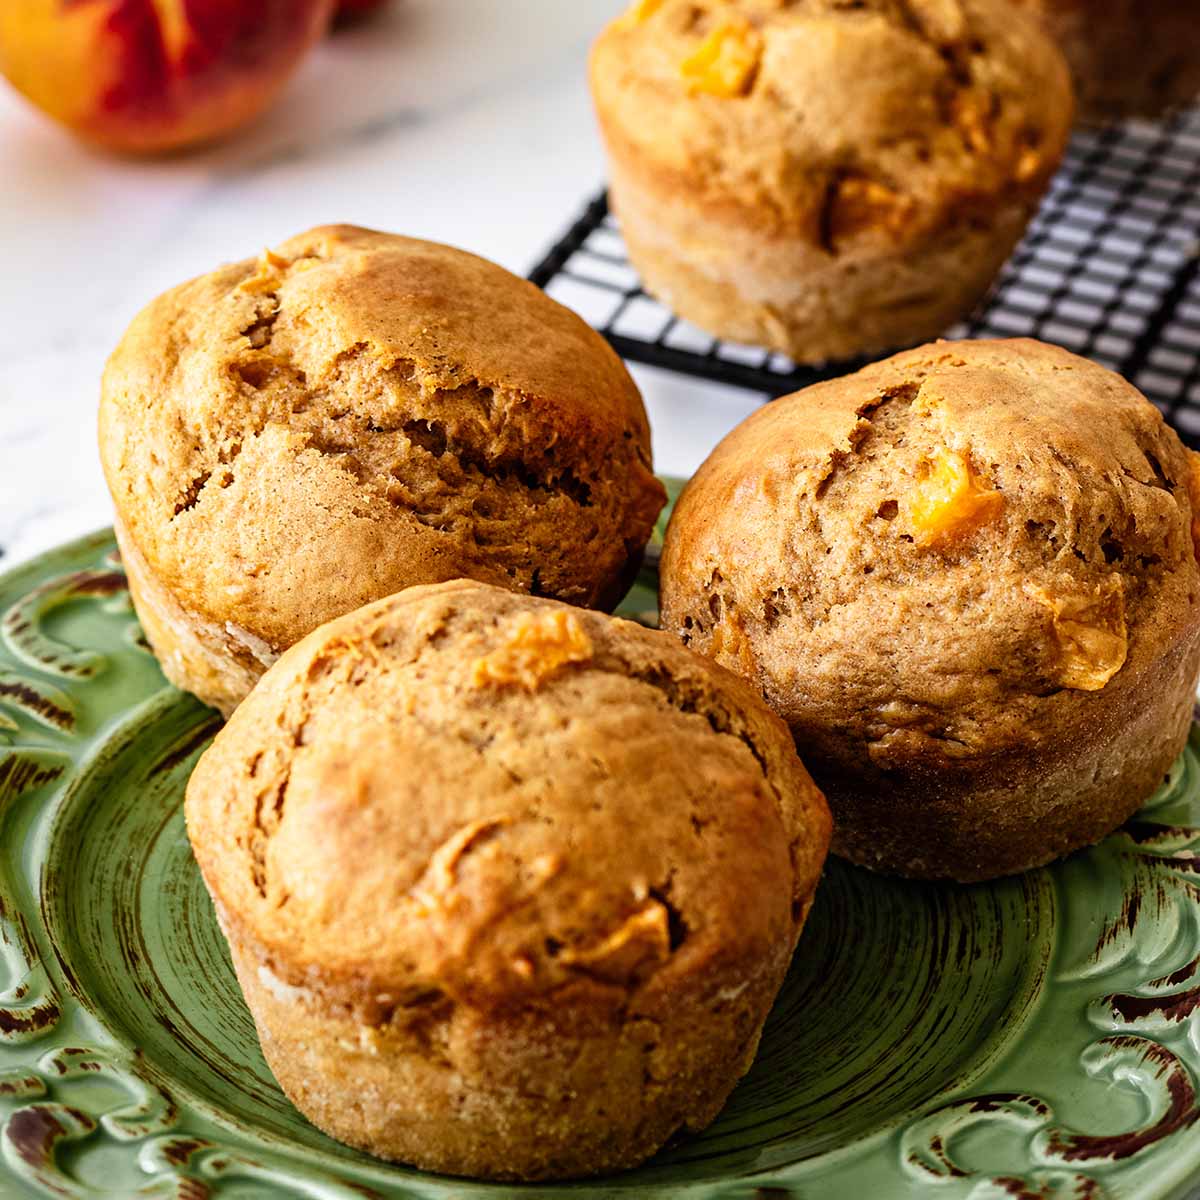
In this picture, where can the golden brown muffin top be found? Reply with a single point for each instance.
(943, 554)
(834, 120)
(491, 797)
(290, 437)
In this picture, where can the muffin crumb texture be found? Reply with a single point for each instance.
(966, 578)
(527, 877)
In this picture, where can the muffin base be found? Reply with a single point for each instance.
(790, 295)
(529, 1094)
(1018, 810)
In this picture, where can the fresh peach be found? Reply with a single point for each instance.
(348, 10)
(141, 76)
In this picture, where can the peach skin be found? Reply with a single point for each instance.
(145, 76)
(351, 10)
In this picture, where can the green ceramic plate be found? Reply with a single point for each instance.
(1039, 1037)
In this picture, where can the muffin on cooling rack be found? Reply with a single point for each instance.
(966, 577)
(289, 438)
(1130, 58)
(509, 886)
(826, 179)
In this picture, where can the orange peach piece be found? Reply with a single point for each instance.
(859, 204)
(639, 11)
(950, 501)
(144, 76)
(1090, 632)
(724, 64)
(537, 646)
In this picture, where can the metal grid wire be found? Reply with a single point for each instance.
(1109, 268)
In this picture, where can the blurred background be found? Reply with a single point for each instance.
(463, 121)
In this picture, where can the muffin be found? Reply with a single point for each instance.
(288, 438)
(826, 179)
(509, 886)
(1130, 58)
(966, 578)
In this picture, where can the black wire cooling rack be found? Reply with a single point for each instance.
(1109, 268)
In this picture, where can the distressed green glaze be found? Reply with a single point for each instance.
(1036, 1037)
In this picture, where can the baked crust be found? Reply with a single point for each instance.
(217, 665)
(883, 157)
(1129, 58)
(291, 437)
(510, 887)
(981, 694)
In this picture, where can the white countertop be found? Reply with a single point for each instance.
(465, 121)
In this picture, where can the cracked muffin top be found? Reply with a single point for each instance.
(834, 119)
(942, 555)
(463, 792)
(290, 437)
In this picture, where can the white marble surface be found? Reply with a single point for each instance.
(466, 121)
